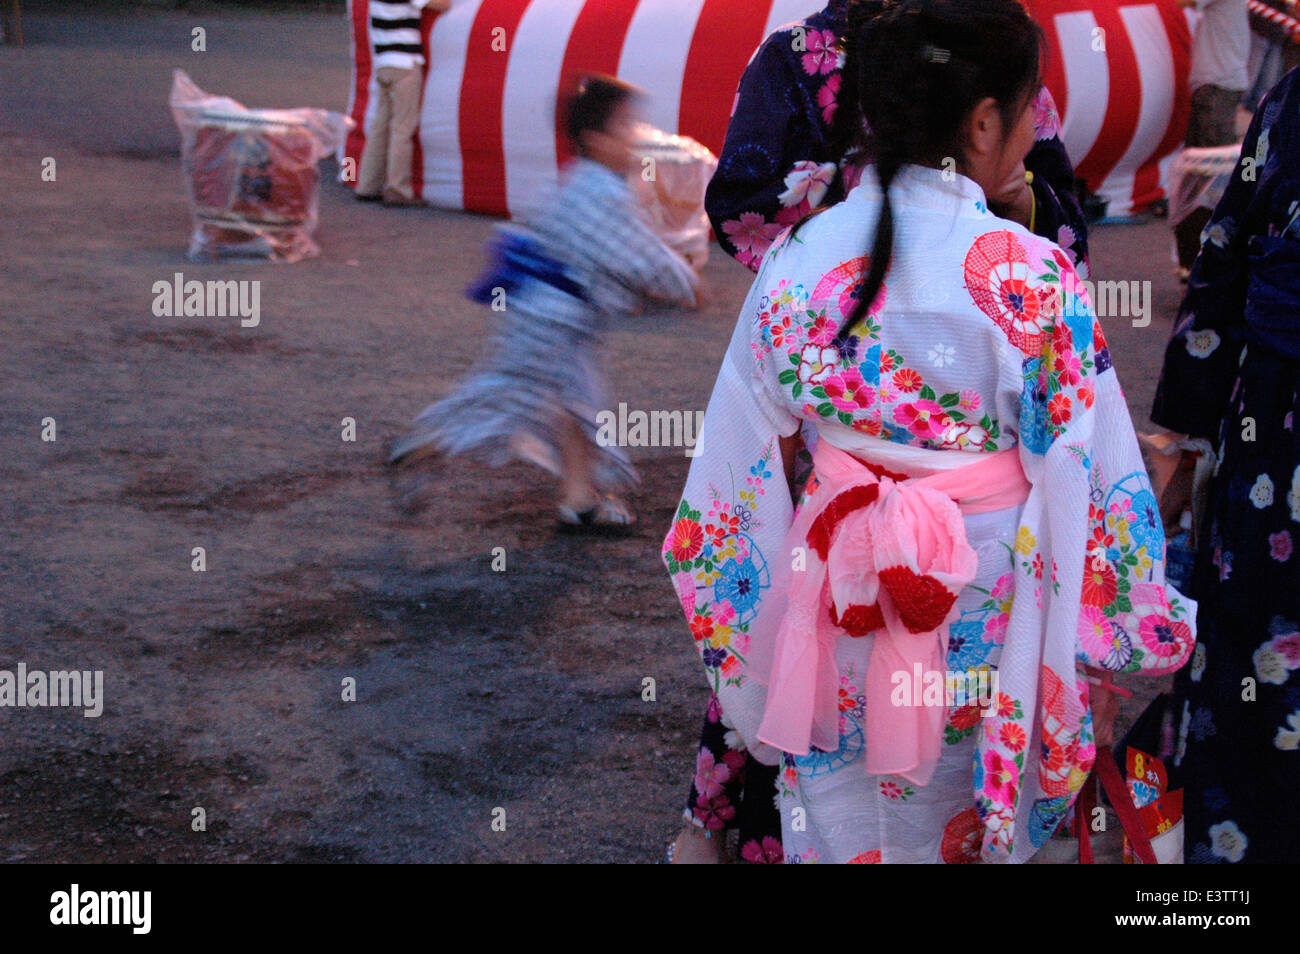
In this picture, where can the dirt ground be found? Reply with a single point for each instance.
(476, 689)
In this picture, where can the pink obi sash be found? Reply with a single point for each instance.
(886, 554)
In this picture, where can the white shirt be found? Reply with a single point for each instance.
(1221, 45)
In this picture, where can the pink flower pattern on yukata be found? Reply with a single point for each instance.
(925, 419)
(896, 791)
(711, 775)
(828, 97)
(765, 852)
(1047, 121)
(848, 392)
(1099, 640)
(1001, 777)
(752, 235)
(1164, 637)
(1127, 622)
(822, 54)
(852, 699)
(713, 560)
(822, 332)
(997, 773)
(851, 378)
(1066, 238)
(1287, 646)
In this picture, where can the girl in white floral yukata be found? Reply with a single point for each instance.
(784, 156)
(978, 503)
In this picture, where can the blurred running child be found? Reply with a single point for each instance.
(584, 257)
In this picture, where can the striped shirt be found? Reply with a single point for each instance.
(395, 34)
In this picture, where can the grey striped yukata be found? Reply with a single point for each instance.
(542, 362)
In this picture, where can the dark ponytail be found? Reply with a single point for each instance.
(913, 72)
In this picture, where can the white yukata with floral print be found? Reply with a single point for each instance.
(979, 342)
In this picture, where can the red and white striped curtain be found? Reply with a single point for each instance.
(488, 142)
(1282, 20)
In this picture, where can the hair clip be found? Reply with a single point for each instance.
(935, 54)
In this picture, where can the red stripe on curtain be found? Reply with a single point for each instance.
(362, 70)
(720, 50)
(1123, 102)
(595, 46)
(482, 95)
(1146, 182)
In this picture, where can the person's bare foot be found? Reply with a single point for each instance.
(696, 846)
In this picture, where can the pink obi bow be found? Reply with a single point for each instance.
(886, 554)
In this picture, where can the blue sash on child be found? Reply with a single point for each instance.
(516, 257)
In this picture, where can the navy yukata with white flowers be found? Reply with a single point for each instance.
(1232, 374)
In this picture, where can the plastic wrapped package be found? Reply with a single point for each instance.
(670, 181)
(253, 174)
(1198, 178)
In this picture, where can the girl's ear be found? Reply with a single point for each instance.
(984, 129)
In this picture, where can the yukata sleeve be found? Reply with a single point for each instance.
(1092, 541)
(636, 256)
(724, 547)
(1086, 580)
(744, 198)
(1202, 357)
(1058, 217)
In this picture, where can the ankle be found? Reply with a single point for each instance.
(579, 501)
(696, 845)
